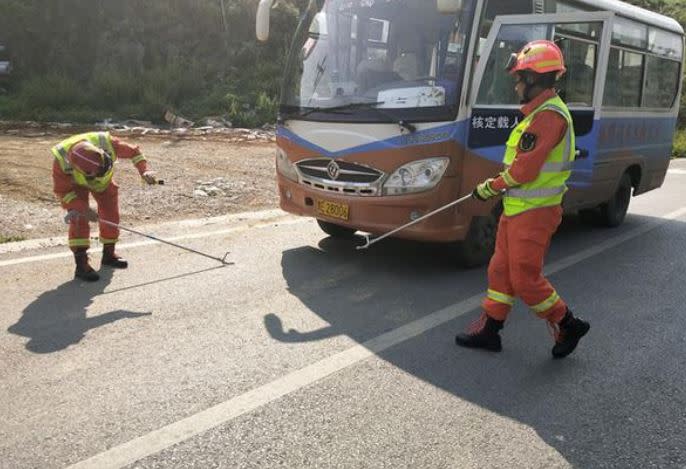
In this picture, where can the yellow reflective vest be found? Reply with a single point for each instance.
(549, 186)
(102, 140)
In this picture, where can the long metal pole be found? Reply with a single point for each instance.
(369, 241)
(222, 260)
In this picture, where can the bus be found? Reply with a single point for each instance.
(391, 109)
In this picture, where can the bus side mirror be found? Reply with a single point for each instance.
(262, 21)
(449, 6)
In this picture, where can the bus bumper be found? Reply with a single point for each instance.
(379, 215)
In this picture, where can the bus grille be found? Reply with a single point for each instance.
(340, 176)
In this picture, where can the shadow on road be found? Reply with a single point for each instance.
(604, 406)
(58, 318)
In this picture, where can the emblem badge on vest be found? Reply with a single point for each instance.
(527, 142)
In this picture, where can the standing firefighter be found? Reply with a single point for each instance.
(538, 161)
(84, 164)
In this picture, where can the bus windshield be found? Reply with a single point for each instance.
(403, 56)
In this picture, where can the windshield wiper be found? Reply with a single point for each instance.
(320, 73)
(361, 105)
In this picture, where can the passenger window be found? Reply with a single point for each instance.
(629, 33)
(665, 44)
(662, 82)
(576, 86)
(579, 45)
(624, 79)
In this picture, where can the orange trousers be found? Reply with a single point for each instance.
(516, 268)
(108, 209)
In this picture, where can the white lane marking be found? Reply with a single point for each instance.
(177, 432)
(205, 234)
(677, 171)
(233, 218)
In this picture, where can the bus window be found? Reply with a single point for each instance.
(564, 7)
(576, 86)
(665, 44)
(497, 87)
(495, 8)
(580, 51)
(629, 33)
(625, 79)
(662, 82)
(579, 45)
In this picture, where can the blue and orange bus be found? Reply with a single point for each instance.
(391, 109)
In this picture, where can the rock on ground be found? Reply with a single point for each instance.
(242, 175)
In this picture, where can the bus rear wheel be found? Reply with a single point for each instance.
(336, 231)
(478, 247)
(613, 212)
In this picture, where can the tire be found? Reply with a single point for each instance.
(589, 216)
(336, 231)
(613, 212)
(478, 247)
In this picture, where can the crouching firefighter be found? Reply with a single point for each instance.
(538, 160)
(83, 165)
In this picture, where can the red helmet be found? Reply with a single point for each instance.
(89, 159)
(538, 57)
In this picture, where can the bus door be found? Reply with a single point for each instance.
(493, 104)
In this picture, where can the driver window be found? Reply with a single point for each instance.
(579, 45)
(497, 86)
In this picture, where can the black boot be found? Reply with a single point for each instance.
(482, 334)
(570, 331)
(111, 259)
(83, 269)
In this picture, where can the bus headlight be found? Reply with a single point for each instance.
(416, 176)
(284, 167)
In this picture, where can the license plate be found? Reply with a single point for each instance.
(333, 209)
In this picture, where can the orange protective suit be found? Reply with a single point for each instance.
(516, 268)
(107, 200)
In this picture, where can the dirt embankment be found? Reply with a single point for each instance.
(204, 176)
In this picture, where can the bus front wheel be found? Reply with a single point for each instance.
(336, 231)
(613, 212)
(478, 247)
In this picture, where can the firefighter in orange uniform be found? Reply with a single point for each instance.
(83, 165)
(538, 161)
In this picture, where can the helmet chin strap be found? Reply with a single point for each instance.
(529, 84)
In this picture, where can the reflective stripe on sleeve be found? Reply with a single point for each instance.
(137, 159)
(509, 180)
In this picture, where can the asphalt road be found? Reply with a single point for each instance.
(308, 353)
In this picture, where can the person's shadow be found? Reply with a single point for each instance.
(58, 319)
(613, 403)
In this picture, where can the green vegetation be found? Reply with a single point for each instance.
(87, 60)
(10, 239)
(679, 149)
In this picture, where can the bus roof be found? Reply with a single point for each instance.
(636, 13)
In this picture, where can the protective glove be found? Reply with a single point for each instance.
(149, 177)
(89, 214)
(484, 191)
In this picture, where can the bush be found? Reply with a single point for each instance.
(679, 148)
(252, 110)
(51, 92)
